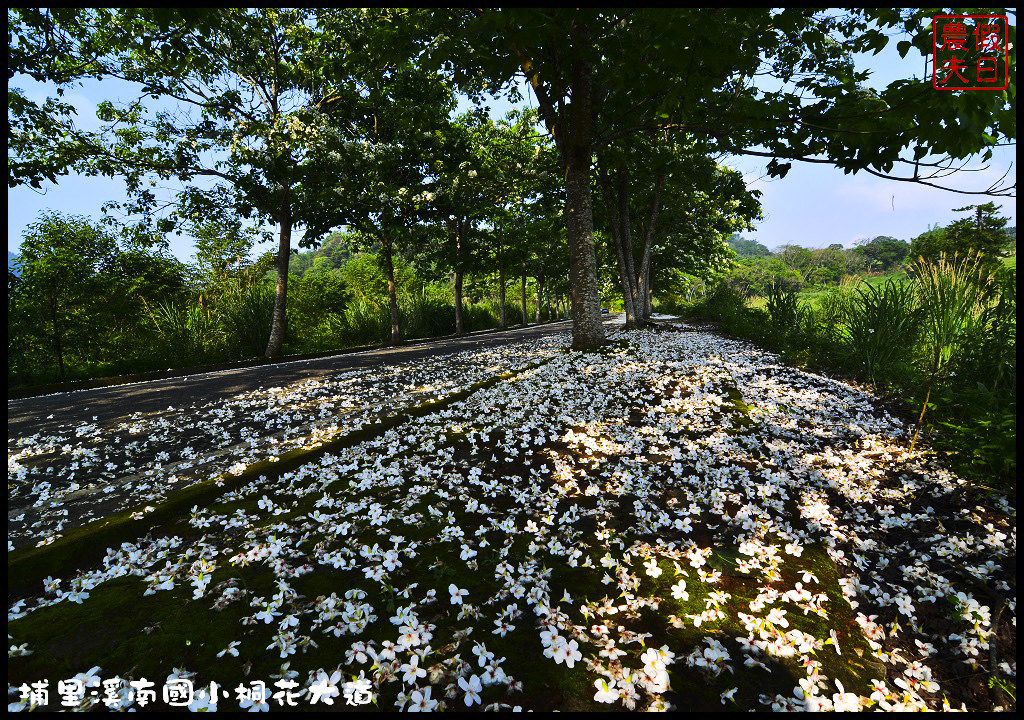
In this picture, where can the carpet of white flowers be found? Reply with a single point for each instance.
(679, 522)
(79, 472)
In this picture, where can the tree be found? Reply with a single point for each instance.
(882, 252)
(318, 298)
(685, 205)
(797, 257)
(828, 265)
(223, 246)
(984, 233)
(823, 113)
(617, 194)
(366, 279)
(710, 204)
(467, 185)
(747, 248)
(389, 192)
(47, 44)
(569, 37)
(262, 118)
(754, 279)
(599, 76)
(929, 244)
(523, 166)
(67, 267)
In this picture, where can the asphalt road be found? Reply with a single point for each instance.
(27, 416)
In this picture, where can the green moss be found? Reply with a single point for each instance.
(124, 633)
(87, 545)
(127, 634)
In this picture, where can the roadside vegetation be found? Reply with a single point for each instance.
(929, 325)
(680, 521)
(82, 304)
(646, 516)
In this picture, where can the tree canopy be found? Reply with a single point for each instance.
(320, 118)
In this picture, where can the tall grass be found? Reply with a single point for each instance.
(366, 323)
(834, 308)
(942, 340)
(189, 332)
(954, 293)
(420, 316)
(245, 312)
(781, 304)
(882, 325)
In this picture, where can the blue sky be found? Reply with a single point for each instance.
(814, 205)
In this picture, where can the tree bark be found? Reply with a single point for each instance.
(537, 317)
(575, 147)
(389, 269)
(644, 279)
(501, 292)
(648, 293)
(614, 226)
(284, 253)
(58, 344)
(626, 236)
(587, 330)
(460, 320)
(523, 289)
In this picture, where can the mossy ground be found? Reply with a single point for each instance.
(131, 635)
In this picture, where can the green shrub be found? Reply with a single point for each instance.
(834, 306)
(956, 296)
(366, 323)
(246, 311)
(943, 337)
(724, 302)
(882, 325)
(480, 316)
(427, 316)
(780, 302)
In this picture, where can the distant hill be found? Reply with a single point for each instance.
(748, 248)
(334, 248)
(10, 261)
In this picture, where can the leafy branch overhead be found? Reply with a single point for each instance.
(322, 118)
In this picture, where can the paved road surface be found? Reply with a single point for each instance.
(27, 416)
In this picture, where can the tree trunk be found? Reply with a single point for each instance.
(523, 288)
(626, 236)
(575, 148)
(648, 294)
(644, 279)
(540, 298)
(614, 225)
(284, 253)
(501, 294)
(389, 270)
(460, 319)
(587, 330)
(58, 343)
(616, 240)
